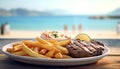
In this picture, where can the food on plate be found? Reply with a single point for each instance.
(54, 35)
(39, 49)
(80, 48)
(19, 53)
(59, 44)
(58, 55)
(65, 42)
(83, 36)
(63, 50)
(32, 53)
(67, 56)
(83, 46)
(42, 51)
(43, 41)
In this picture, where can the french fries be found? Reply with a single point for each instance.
(42, 51)
(63, 50)
(54, 42)
(17, 48)
(32, 53)
(22, 53)
(45, 46)
(58, 55)
(29, 43)
(59, 47)
(43, 41)
(66, 56)
(40, 48)
(38, 44)
(65, 42)
(36, 50)
(10, 50)
(50, 53)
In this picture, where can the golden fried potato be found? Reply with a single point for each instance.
(17, 48)
(63, 50)
(36, 49)
(38, 44)
(64, 42)
(10, 50)
(40, 40)
(21, 53)
(50, 53)
(32, 53)
(43, 51)
(29, 43)
(58, 55)
(54, 42)
(45, 46)
(66, 57)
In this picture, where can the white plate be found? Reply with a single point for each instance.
(53, 62)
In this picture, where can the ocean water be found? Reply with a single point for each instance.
(58, 22)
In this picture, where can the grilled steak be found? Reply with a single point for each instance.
(79, 48)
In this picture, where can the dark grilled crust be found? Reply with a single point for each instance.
(80, 48)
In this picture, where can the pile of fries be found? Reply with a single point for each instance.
(41, 48)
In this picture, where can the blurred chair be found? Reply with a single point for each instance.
(80, 28)
(65, 28)
(118, 28)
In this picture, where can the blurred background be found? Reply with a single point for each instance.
(28, 18)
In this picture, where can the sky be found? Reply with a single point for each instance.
(69, 6)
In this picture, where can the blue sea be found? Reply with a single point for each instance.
(40, 23)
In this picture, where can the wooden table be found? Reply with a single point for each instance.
(109, 62)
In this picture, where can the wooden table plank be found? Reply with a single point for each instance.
(108, 62)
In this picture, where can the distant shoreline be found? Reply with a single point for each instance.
(105, 17)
